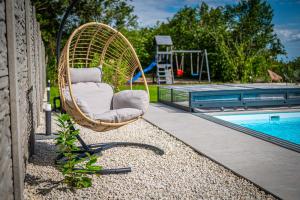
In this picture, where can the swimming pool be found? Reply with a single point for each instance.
(282, 128)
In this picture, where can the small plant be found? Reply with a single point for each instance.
(74, 169)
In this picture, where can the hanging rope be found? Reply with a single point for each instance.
(176, 61)
(179, 67)
(198, 61)
(197, 65)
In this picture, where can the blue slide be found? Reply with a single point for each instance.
(147, 69)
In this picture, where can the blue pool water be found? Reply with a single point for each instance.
(285, 126)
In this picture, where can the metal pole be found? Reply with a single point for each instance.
(48, 111)
(171, 62)
(207, 66)
(201, 69)
(62, 24)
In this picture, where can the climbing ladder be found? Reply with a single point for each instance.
(164, 74)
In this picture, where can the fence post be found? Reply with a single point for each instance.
(40, 66)
(34, 96)
(207, 66)
(37, 71)
(30, 85)
(17, 167)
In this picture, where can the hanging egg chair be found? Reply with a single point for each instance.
(96, 62)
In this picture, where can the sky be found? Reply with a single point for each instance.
(286, 17)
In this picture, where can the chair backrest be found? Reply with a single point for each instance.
(98, 45)
(81, 75)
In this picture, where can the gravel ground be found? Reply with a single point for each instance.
(179, 174)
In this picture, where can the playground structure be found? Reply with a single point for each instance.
(164, 62)
(164, 59)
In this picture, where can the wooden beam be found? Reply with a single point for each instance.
(18, 172)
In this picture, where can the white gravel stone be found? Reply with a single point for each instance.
(181, 173)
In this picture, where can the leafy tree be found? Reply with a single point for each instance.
(290, 70)
(239, 38)
(250, 23)
(118, 14)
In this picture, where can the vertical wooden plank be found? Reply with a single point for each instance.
(30, 84)
(38, 102)
(28, 41)
(14, 102)
(40, 67)
(35, 64)
(45, 67)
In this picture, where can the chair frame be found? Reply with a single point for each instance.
(97, 149)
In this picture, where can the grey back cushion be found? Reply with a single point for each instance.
(81, 75)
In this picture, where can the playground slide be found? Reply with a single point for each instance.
(139, 74)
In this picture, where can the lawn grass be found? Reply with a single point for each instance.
(152, 90)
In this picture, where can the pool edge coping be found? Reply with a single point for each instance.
(268, 138)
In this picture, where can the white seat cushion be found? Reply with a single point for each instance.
(95, 99)
(91, 97)
(118, 115)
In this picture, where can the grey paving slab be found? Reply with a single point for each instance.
(267, 165)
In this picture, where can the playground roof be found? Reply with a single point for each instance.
(163, 40)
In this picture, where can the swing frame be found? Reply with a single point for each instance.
(191, 52)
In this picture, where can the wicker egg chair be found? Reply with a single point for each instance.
(93, 45)
(98, 45)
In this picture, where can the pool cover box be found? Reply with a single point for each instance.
(220, 96)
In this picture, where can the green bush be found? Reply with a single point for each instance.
(73, 168)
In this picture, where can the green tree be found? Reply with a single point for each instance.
(118, 14)
(239, 38)
(250, 25)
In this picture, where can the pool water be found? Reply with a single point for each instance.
(285, 126)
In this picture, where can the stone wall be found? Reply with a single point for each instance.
(22, 61)
(6, 182)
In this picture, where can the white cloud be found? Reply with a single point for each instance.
(288, 35)
(151, 11)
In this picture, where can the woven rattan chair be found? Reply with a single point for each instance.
(92, 45)
(98, 45)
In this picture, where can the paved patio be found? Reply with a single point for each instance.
(269, 166)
